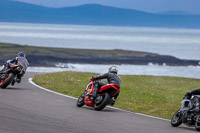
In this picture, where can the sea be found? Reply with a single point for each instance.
(180, 43)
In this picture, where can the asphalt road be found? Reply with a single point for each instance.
(25, 108)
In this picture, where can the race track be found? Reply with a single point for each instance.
(25, 108)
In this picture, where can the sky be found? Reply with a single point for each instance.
(154, 6)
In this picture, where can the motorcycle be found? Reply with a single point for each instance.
(105, 95)
(189, 113)
(7, 76)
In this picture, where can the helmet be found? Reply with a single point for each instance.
(113, 69)
(21, 54)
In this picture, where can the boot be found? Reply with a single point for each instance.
(112, 101)
(19, 80)
(19, 77)
(13, 82)
(94, 92)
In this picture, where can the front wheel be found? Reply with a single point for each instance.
(176, 119)
(80, 101)
(7, 81)
(101, 101)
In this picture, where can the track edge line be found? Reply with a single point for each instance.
(33, 83)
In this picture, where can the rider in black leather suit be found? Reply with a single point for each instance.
(112, 78)
(194, 92)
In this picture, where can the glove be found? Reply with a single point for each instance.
(91, 79)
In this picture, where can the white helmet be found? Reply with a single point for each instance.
(21, 54)
(113, 69)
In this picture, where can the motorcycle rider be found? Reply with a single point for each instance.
(19, 60)
(111, 77)
(188, 96)
(194, 92)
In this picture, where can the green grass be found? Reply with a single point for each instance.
(12, 49)
(152, 95)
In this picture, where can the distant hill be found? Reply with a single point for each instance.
(175, 13)
(44, 56)
(92, 14)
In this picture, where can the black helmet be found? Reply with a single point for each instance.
(113, 69)
(21, 54)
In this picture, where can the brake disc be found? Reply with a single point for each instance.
(98, 99)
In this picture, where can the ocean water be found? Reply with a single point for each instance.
(181, 43)
(181, 71)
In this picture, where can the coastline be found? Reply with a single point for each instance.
(153, 70)
(49, 57)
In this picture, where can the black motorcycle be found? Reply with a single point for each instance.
(9, 75)
(189, 114)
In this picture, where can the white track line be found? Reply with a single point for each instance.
(31, 81)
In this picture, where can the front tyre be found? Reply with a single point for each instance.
(176, 119)
(101, 101)
(80, 101)
(7, 81)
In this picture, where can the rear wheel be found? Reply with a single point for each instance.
(176, 119)
(101, 101)
(197, 124)
(7, 81)
(80, 101)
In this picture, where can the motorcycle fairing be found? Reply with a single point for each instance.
(88, 102)
(106, 87)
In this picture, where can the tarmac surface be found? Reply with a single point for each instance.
(25, 108)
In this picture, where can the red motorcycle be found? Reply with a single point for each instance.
(105, 96)
(7, 75)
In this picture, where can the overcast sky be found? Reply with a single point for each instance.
(192, 6)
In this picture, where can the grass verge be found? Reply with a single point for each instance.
(152, 95)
